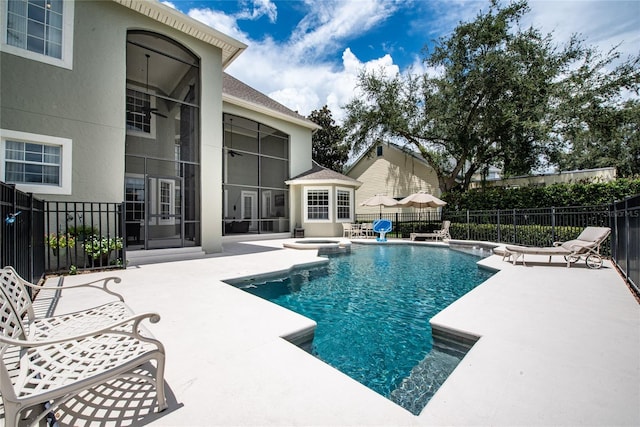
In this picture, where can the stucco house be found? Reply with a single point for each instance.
(127, 101)
(392, 170)
(326, 200)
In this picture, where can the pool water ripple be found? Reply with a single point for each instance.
(373, 307)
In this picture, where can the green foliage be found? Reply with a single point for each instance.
(96, 246)
(604, 136)
(504, 96)
(528, 235)
(328, 147)
(82, 231)
(56, 241)
(556, 195)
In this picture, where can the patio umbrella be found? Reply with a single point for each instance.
(421, 199)
(380, 200)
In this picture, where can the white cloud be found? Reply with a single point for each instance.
(603, 24)
(295, 73)
(330, 22)
(260, 9)
(220, 21)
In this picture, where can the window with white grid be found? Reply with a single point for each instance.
(317, 205)
(343, 204)
(139, 112)
(35, 163)
(39, 29)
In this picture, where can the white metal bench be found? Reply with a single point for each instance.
(52, 362)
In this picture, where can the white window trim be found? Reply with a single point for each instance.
(172, 201)
(266, 204)
(67, 39)
(152, 123)
(65, 162)
(306, 207)
(351, 197)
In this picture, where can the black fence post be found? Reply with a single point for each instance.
(515, 228)
(468, 226)
(499, 234)
(553, 224)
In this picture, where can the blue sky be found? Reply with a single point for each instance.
(307, 53)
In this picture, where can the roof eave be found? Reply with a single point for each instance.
(268, 111)
(302, 181)
(231, 48)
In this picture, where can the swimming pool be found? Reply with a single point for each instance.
(372, 309)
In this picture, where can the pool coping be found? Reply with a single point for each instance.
(516, 373)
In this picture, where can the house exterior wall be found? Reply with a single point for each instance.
(395, 174)
(322, 228)
(87, 105)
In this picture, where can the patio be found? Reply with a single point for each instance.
(558, 346)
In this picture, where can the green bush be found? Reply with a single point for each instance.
(527, 235)
(556, 195)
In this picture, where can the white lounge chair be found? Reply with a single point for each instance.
(50, 371)
(441, 234)
(586, 245)
(78, 322)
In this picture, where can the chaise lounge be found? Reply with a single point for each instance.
(586, 246)
(437, 235)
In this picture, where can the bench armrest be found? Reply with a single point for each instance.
(114, 328)
(101, 284)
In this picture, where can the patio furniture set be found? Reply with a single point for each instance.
(361, 231)
(46, 361)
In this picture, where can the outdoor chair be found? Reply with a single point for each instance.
(367, 230)
(586, 246)
(346, 229)
(50, 371)
(15, 288)
(441, 234)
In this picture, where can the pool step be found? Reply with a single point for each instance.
(425, 379)
(155, 256)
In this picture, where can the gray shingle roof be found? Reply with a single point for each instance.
(320, 173)
(235, 88)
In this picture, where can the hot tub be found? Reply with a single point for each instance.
(323, 246)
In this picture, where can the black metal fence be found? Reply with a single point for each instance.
(22, 232)
(533, 227)
(406, 223)
(625, 238)
(84, 236)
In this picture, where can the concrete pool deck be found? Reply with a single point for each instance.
(557, 346)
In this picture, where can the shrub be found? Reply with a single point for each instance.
(59, 241)
(556, 195)
(96, 246)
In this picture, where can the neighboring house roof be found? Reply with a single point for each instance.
(173, 18)
(367, 152)
(236, 92)
(321, 175)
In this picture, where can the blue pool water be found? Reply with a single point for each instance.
(373, 307)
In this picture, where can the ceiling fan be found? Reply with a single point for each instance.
(147, 111)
